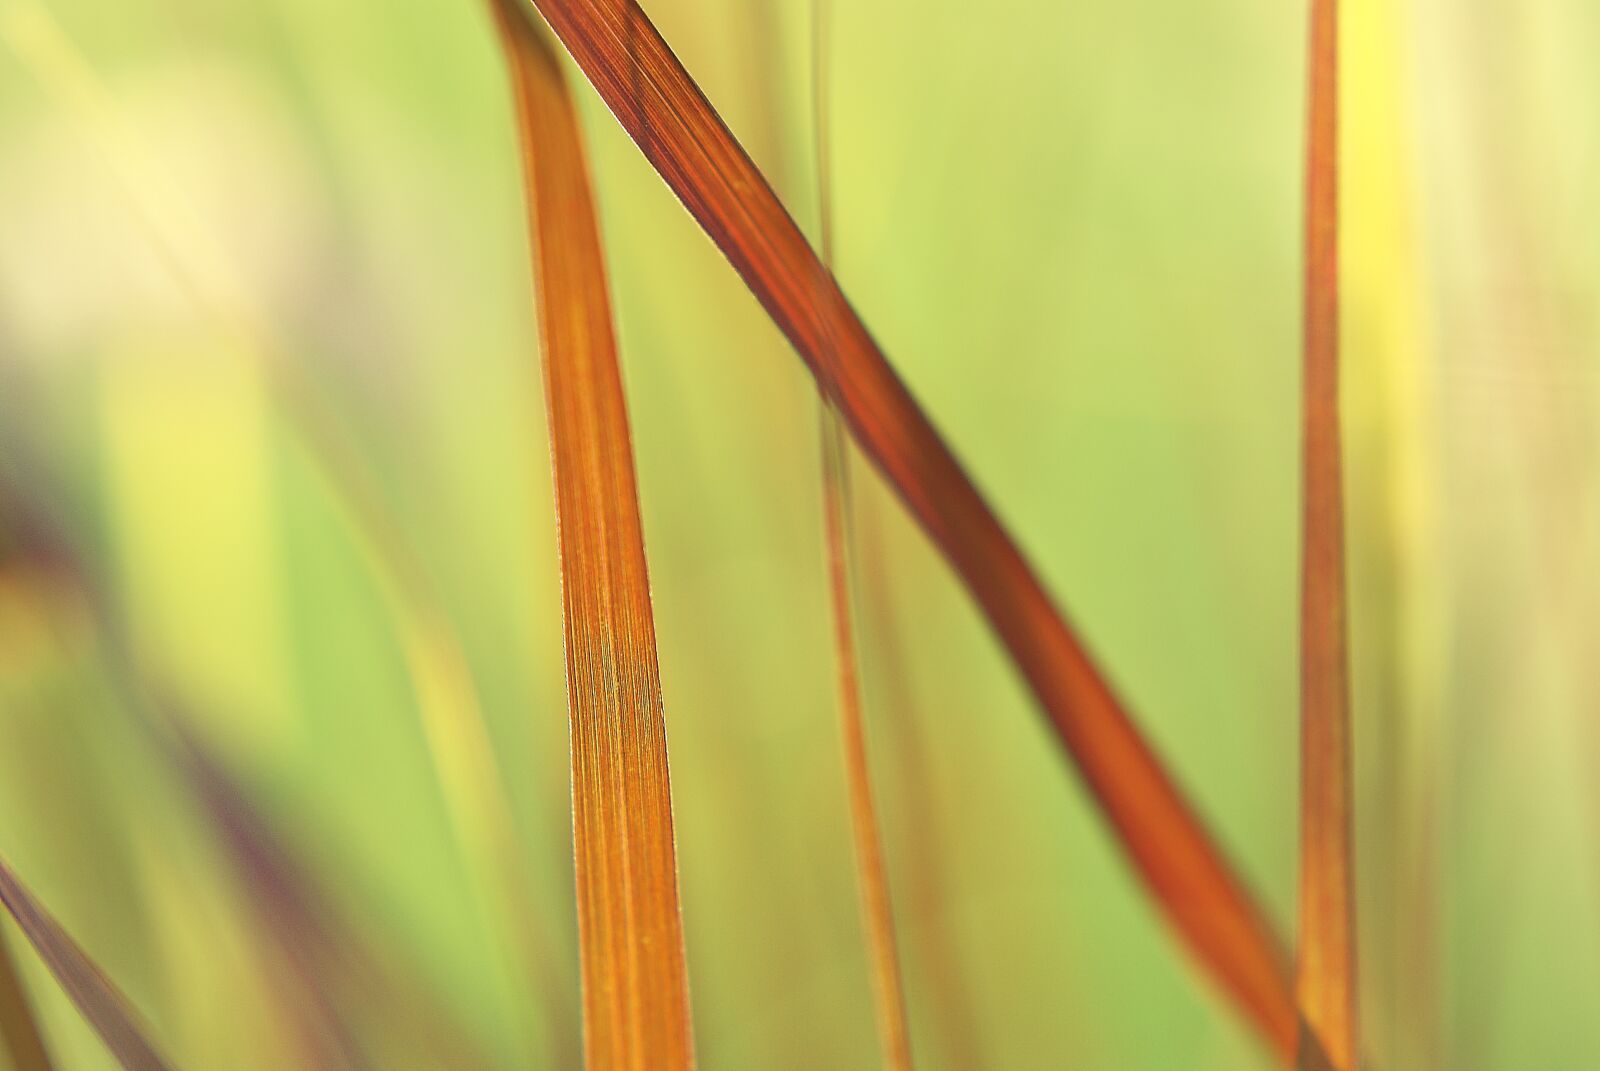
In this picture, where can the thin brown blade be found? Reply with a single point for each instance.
(678, 131)
(1326, 981)
(19, 1030)
(630, 929)
(872, 874)
(101, 1003)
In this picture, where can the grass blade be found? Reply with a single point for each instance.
(1325, 985)
(872, 877)
(946, 983)
(471, 780)
(682, 136)
(101, 1003)
(630, 928)
(327, 966)
(19, 1030)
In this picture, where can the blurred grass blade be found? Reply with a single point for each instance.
(328, 966)
(682, 136)
(872, 877)
(470, 776)
(1325, 985)
(946, 984)
(101, 1003)
(297, 934)
(471, 780)
(1312, 1056)
(41, 546)
(19, 1030)
(635, 985)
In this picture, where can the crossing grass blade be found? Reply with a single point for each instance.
(1325, 982)
(100, 1002)
(673, 124)
(635, 985)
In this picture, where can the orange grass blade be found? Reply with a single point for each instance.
(682, 136)
(1325, 985)
(101, 1003)
(630, 928)
(872, 876)
(19, 1030)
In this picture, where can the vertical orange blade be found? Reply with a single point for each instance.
(635, 987)
(1326, 977)
(682, 136)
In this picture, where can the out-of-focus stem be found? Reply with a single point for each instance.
(470, 777)
(872, 875)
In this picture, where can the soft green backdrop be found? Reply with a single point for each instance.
(1074, 228)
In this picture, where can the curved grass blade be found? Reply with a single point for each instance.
(1325, 982)
(100, 1002)
(872, 876)
(682, 136)
(630, 928)
(19, 1029)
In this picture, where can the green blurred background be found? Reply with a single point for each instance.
(1074, 228)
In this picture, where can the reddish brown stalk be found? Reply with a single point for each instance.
(19, 1030)
(102, 1004)
(1325, 985)
(675, 127)
(630, 929)
(872, 874)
